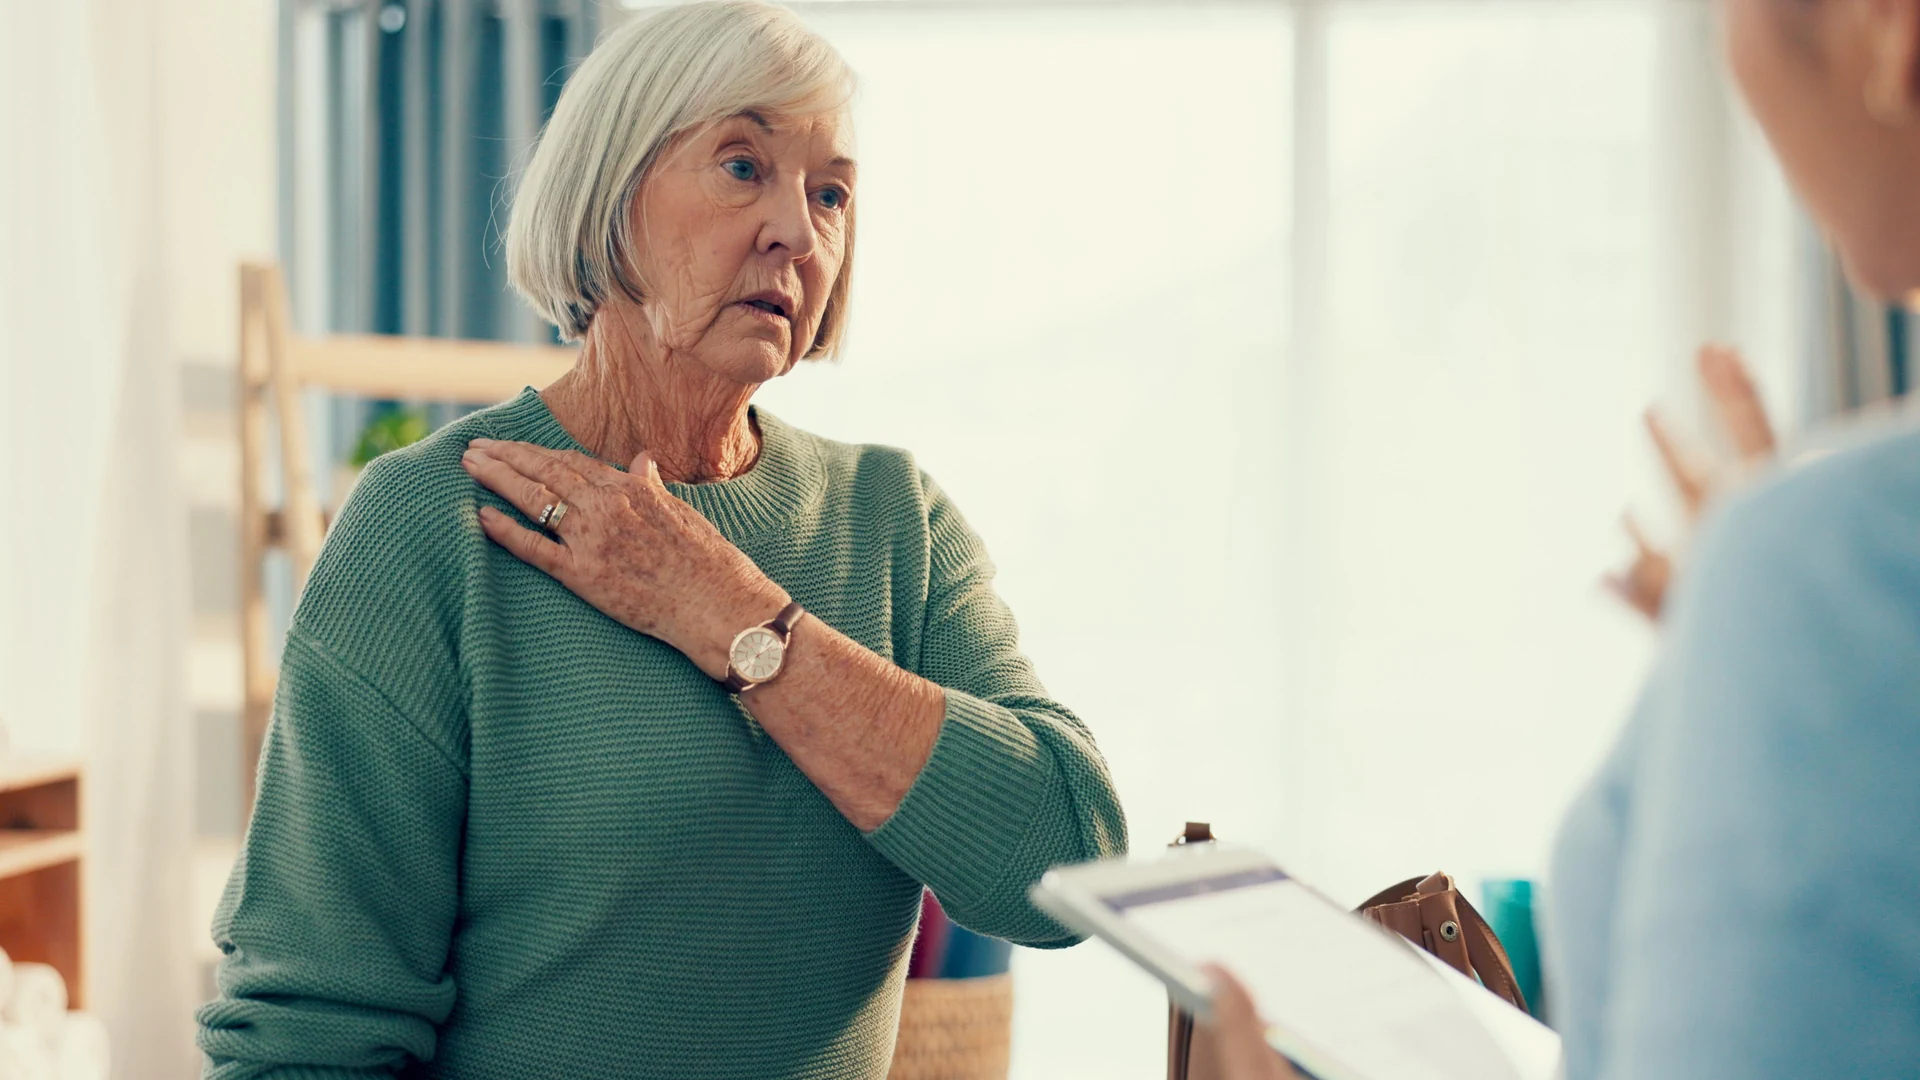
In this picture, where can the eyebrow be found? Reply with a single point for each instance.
(839, 162)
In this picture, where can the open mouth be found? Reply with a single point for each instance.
(767, 306)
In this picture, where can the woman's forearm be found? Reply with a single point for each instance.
(860, 727)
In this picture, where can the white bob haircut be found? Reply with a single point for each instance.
(570, 240)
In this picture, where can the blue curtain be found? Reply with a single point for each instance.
(1862, 349)
(429, 107)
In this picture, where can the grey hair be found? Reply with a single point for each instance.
(570, 239)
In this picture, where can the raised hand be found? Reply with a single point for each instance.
(1741, 416)
(1643, 584)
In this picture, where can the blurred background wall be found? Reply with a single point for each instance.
(136, 166)
(1310, 329)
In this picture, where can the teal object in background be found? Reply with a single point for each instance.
(943, 949)
(1508, 905)
(973, 956)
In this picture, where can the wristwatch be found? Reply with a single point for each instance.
(759, 652)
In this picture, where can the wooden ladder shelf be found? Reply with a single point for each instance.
(276, 367)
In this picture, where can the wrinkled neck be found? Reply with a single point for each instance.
(628, 394)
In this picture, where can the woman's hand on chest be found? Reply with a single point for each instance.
(857, 726)
(626, 545)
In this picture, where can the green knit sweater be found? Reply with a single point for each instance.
(499, 835)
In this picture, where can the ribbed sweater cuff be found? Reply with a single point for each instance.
(972, 803)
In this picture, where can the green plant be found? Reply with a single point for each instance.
(391, 427)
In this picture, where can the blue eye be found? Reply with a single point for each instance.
(833, 198)
(742, 169)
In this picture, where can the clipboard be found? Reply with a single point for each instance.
(1347, 999)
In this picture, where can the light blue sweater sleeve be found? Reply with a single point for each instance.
(1739, 894)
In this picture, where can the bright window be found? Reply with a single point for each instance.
(1330, 583)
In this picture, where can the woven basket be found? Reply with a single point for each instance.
(955, 1029)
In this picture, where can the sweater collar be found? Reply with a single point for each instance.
(787, 477)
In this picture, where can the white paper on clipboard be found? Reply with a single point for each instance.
(1347, 1000)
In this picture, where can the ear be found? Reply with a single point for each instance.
(1892, 32)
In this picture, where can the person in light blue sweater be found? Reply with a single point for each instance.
(1737, 893)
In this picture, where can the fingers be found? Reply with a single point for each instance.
(552, 468)
(527, 495)
(644, 466)
(1742, 415)
(530, 546)
(1688, 477)
(1244, 1051)
(1737, 405)
(1647, 602)
(1640, 544)
(1643, 586)
(1233, 1008)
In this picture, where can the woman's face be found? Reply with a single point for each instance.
(741, 229)
(1833, 83)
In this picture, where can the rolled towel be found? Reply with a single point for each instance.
(24, 1055)
(38, 1002)
(81, 1052)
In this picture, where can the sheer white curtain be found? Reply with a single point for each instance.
(1289, 357)
(92, 562)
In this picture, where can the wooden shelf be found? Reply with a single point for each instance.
(22, 851)
(276, 365)
(42, 849)
(31, 771)
(387, 366)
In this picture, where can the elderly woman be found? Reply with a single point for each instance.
(621, 724)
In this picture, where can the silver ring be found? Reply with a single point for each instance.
(550, 517)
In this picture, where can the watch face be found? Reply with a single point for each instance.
(756, 654)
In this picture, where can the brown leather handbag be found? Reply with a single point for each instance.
(1427, 911)
(1432, 914)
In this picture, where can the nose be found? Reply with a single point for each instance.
(789, 224)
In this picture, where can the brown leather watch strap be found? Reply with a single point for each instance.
(783, 623)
